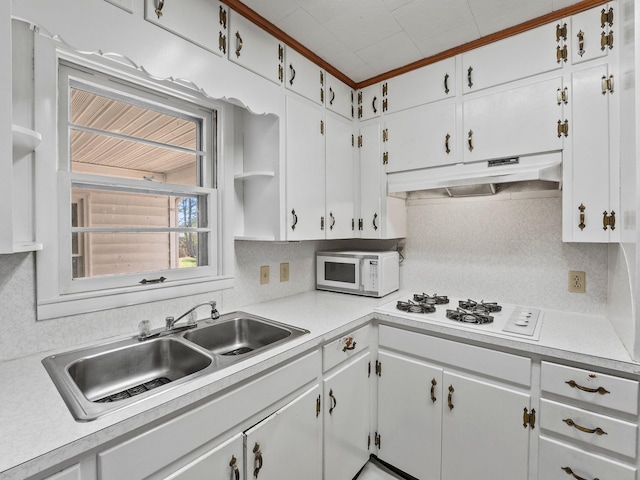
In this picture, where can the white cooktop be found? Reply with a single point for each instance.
(512, 321)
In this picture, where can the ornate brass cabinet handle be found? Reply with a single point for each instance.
(600, 390)
(234, 467)
(581, 225)
(238, 44)
(568, 471)
(349, 344)
(334, 402)
(433, 390)
(450, 397)
(597, 430)
(159, 8)
(257, 461)
(295, 220)
(293, 74)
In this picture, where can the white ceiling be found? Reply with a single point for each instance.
(364, 38)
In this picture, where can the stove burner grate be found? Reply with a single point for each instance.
(434, 299)
(479, 307)
(414, 307)
(468, 316)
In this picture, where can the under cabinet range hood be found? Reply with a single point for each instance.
(479, 178)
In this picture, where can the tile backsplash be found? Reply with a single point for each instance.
(495, 250)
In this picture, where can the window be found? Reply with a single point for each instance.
(137, 203)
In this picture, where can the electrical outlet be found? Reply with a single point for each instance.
(284, 272)
(577, 281)
(264, 274)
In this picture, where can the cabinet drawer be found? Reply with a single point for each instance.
(554, 457)
(154, 449)
(615, 435)
(345, 347)
(622, 394)
(503, 366)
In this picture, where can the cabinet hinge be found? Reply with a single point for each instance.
(318, 406)
(609, 220)
(360, 111)
(378, 440)
(352, 111)
(280, 53)
(368, 442)
(606, 40)
(385, 158)
(321, 127)
(280, 73)
(561, 32)
(321, 77)
(563, 128)
(360, 224)
(321, 95)
(607, 84)
(385, 135)
(353, 228)
(378, 368)
(359, 98)
(562, 96)
(321, 223)
(529, 418)
(606, 17)
(222, 43)
(562, 54)
(385, 89)
(353, 140)
(359, 141)
(385, 104)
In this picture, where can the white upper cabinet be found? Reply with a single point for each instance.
(304, 77)
(520, 121)
(592, 33)
(421, 137)
(339, 97)
(255, 49)
(424, 85)
(520, 56)
(340, 178)
(305, 148)
(202, 22)
(369, 102)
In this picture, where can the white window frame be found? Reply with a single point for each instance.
(57, 295)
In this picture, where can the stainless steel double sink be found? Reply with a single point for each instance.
(97, 380)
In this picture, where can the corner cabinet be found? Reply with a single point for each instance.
(437, 400)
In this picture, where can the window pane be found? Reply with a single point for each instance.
(126, 209)
(98, 154)
(110, 115)
(121, 253)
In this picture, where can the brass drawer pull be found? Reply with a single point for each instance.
(334, 402)
(450, 397)
(568, 471)
(234, 467)
(597, 430)
(257, 461)
(349, 343)
(600, 390)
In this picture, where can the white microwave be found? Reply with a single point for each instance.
(372, 274)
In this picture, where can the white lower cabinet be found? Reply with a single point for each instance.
(287, 445)
(438, 424)
(346, 419)
(71, 473)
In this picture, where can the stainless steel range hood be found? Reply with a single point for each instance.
(477, 178)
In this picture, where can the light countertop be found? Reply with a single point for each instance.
(38, 430)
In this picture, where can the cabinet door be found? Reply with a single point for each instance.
(590, 34)
(288, 444)
(369, 102)
(255, 49)
(305, 170)
(514, 58)
(339, 97)
(225, 460)
(514, 122)
(410, 399)
(421, 137)
(424, 85)
(482, 432)
(340, 178)
(71, 473)
(346, 419)
(304, 77)
(191, 19)
(586, 165)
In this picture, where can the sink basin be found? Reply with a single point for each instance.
(240, 335)
(96, 380)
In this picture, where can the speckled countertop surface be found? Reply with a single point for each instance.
(39, 432)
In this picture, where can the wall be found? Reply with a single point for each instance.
(506, 248)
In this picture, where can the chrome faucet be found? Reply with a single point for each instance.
(145, 333)
(171, 322)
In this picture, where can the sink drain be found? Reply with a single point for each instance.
(133, 391)
(239, 351)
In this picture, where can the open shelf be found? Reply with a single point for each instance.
(25, 141)
(253, 175)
